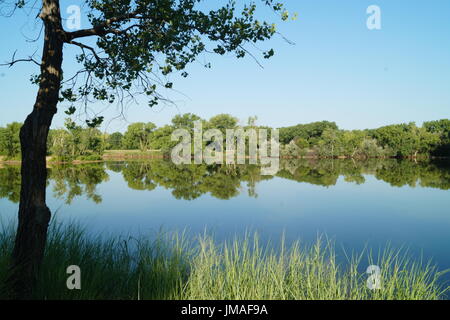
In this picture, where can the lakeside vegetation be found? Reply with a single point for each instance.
(170, 266)
(316, 140)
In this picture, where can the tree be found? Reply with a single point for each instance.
(2, 139)
(290, 150)
(351, 142)
(406, 140)
(329, 144)
(60, 145)
(424, 141)
(223, 122)
(136, 45)
(303, 146)
(311, 131)
(161, 139)
(185, 121)
(251, 121)
(10, 141)
(93, 142)
(138, 135)
(442, 129)
(369, 148)
(76, 142)
(438, 126)
(114, 141)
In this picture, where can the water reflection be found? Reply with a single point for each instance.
(397, 173)
(10, 183)
(69, 182)
(189, 182)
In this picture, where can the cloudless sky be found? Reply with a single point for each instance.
(338, 70)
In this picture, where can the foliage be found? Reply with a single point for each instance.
(222, 122)
(161, 139)
(442, 129)
(114, 141)
(402, 140)
(10, 140)
(291, 150)
(60, 144)
(328, 145)
(138, 44)
(185, 121)
(406, 139)
(138, 136)
(76, 142)
(310, 132)
(318, 139)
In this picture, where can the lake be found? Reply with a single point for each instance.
(357, 204)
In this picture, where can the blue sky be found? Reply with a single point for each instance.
(338, 70)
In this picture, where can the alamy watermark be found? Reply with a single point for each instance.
(74, 19)
(374, 280)
(207, 147)
(74, 280)
(374, 19)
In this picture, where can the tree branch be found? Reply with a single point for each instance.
(102, 28)
(83, 46)
(14, 61)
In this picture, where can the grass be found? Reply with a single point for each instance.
(174, 267)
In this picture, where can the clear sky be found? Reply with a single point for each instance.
(338, 70)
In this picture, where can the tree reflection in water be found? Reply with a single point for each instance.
(189, 182)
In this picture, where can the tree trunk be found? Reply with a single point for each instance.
(34, 215)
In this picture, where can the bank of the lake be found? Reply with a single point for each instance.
(170, 266)
(127, 155)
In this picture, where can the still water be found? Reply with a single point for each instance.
(357, 204)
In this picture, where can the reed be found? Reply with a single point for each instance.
(173, 266)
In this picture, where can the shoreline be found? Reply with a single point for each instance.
(174, 267)
(112, 159)
(126, 157)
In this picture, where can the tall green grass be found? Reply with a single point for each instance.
(173, 267)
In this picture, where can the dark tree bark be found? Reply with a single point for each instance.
(34, 215)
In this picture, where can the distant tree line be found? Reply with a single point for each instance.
(325, 139)
(318, 139)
